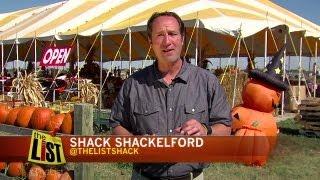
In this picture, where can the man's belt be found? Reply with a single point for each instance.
(188, 176)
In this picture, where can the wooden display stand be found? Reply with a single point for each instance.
(83, 125)
(310, 115)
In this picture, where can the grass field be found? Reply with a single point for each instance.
(295, 157)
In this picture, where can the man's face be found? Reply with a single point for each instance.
(166, 39)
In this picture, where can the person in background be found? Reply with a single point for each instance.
(170, 97)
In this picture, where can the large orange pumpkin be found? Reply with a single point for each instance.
(36, 173)
(55, 122)
(4, 110)
(67, 124)
(265, 122)
(66, 176)
(12, 116)
(40, 118)
(53, 175)
(24, 115)
(3, 166)
(253, 147)
(260, 96)
(16, 169)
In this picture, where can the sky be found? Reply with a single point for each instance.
(309, 9)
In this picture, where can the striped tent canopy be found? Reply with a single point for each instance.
(213, 27)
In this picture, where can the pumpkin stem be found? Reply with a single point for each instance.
(255, 124)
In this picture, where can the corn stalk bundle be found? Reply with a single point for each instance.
(29, 88)
(89, 92)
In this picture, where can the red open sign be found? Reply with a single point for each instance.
(55, 56)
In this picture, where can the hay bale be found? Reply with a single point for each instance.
(228, 83)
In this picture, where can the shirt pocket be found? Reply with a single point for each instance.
(195, 111)
(147, 118)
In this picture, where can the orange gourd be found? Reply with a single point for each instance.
(12, 116)
(36, 173)
(24, 116)
(260, 96)
(40, 118)
(3, 166)
(16, 169)
(68, 123)
(55, 122)
(53, 175)
(66, 176)
(253, 147)
(4, 110)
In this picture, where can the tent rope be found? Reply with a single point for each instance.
(9, 53)
(306, 84)
(25, 58)
(189, 42)
(233, 48)
(308, 46)
(147, 55)
(290, 87)
(115, 57)
(273, 39)
(247, 51)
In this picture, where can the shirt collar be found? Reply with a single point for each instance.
(182, 75)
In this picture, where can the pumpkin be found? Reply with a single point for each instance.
(260, 96)
(12, 116)
(36, 173)
(24, 115)
(53, 175)
(253, 147)
(3, 166)
(66, 176)
(264, 122)
(68, 123)
(55, 122)
(4, 110)
(40, 118)
(16, 169)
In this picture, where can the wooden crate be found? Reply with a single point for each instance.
(310, 113)
(83, 114)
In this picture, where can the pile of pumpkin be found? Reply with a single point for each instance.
(254, 123)
(34, 171)
(40, 118)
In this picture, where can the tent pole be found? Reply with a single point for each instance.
(129, 51)
(197, 44)
(2, 68)
(236, 75)
(289, 61)
(283, 75)
(35, 54)
(315, 69)
(299, 79)
(78, 66)
(142, 64)
(101, 69)
(17, 64)
(265, 47)
(17, 56)
(309, 64)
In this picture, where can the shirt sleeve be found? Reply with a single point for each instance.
(120, 111)
(219, 111)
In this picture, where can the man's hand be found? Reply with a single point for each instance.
(191, 127)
